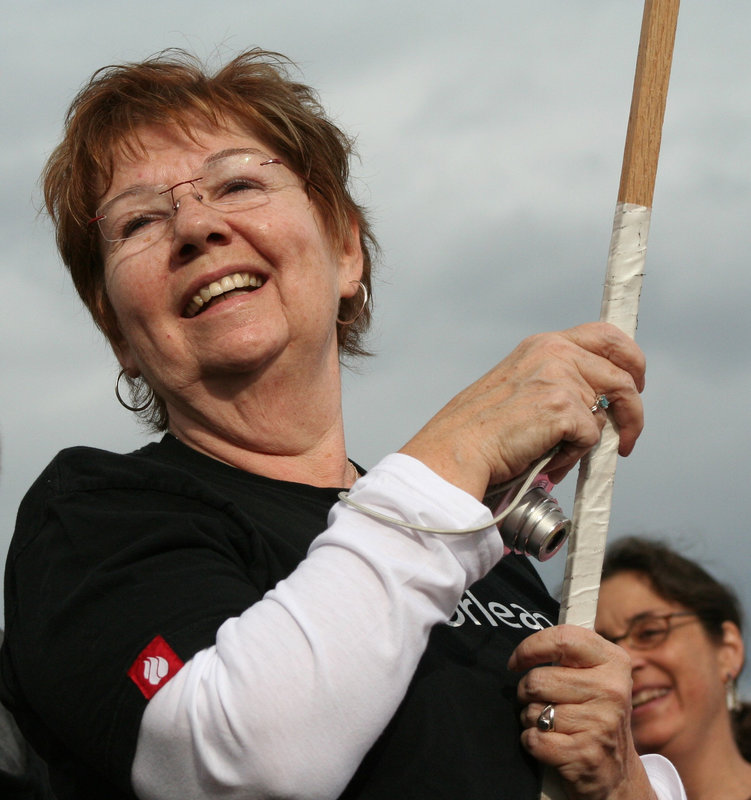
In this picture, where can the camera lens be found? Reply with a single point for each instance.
(537, 526)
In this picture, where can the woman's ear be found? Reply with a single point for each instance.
(123, 353)
(107, 321)
(731, 654)
(351, 259)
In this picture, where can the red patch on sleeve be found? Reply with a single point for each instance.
(154, 666)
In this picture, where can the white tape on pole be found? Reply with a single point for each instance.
(594, 489)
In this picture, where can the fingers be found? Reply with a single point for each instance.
(566, 646)
(609, 342)
(581, 670)
(568, 720)
(613, 366)
(547, 646)
(581, 364)
(589, 690)
(589, 745)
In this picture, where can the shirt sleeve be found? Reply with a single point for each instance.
(664, 777)
(297, 689)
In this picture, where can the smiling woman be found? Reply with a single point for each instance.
(251, 93)
(682, 629)
(270, 230)
(203, 617)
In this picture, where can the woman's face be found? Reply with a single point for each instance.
(679, 685)
(291, 276)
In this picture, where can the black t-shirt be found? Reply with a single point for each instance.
(112, 550)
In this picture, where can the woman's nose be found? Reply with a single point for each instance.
(196, 225)
(638, 657)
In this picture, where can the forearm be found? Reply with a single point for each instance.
(297, 688)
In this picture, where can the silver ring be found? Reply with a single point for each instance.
(546, 720)
(601, 402)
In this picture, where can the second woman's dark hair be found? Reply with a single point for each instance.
(676, 578)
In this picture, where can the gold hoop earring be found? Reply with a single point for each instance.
(365, 297)
(135, 409)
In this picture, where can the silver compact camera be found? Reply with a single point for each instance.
(536, 525)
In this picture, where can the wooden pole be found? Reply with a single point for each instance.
(620, 305)
(648, 100)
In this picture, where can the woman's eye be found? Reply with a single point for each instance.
(648, 634)
(134, 225)
(240, 186)
(138, 224)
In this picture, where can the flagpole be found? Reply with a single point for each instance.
(620, 306)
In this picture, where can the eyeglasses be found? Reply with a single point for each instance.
(648, 631)
(236, 181)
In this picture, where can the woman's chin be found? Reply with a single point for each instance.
(653, 726)
(651, 739)
(241, 350)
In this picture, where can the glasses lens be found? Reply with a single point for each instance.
(243, 180)
(649, 632)
(134, 213)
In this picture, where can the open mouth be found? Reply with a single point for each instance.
(218, 291)
(647, 695)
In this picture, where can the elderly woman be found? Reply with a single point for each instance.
(202, 617)
(682, 629)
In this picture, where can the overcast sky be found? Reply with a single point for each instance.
(491, 137)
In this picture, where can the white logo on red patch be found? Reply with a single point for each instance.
(154, 669)
(154, 666)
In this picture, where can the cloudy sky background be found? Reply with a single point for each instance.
(491, 137)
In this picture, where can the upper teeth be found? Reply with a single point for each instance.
(239, 280)
(645, 695)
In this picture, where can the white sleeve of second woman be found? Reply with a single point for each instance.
(298, 688)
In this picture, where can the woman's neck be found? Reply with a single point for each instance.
(714, 770)
(288, 427)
